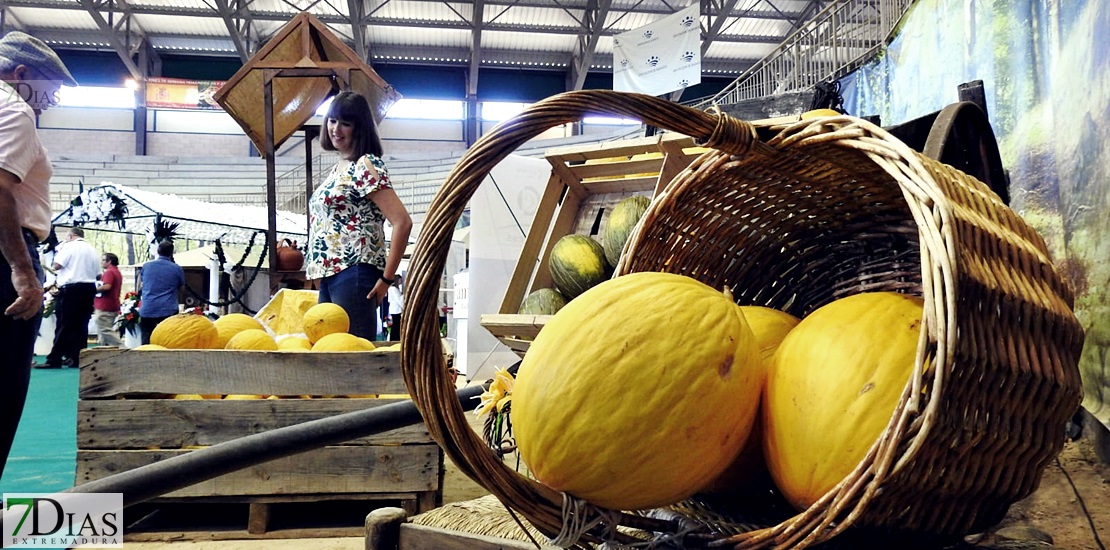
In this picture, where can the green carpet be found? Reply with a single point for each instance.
(44, 455)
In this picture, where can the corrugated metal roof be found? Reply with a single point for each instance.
(526, 33)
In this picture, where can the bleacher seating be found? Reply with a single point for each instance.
(242, 180)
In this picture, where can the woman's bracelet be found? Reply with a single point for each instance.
(387, 281)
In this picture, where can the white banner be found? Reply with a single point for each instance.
(660, 57)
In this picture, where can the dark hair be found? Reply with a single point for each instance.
(77, 231)
(353, 108)
(112, 258)
(165, 248)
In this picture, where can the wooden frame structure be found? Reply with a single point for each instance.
(281, 86)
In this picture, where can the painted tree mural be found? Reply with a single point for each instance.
(1045, 65)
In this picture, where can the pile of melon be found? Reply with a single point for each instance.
(325, 327)
(652, 387)
(578, 263)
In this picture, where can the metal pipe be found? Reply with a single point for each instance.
(154, 480)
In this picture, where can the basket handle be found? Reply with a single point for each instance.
(425, 372)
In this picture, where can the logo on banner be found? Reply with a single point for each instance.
(54, 520)
(662, 54)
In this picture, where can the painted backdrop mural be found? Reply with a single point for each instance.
(1045, 65)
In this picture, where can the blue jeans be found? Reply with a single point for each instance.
(17, 339)
(348, 289)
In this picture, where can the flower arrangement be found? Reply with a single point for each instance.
(128, 318)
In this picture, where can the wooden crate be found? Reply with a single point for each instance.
(127, 417)
(586, 183)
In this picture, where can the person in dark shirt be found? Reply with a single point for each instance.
(161, 280)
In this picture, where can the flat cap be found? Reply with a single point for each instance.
(25, 49)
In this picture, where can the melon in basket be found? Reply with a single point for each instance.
(832, 387)
(614, 408)
(770, 327)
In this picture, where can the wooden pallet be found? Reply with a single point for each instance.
(128, 417)
(285, 517)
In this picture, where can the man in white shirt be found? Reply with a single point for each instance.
(31, 75)
(396, 304)
(77, 264)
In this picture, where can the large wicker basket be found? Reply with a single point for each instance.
(823, 209)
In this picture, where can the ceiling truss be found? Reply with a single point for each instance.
(735, 33)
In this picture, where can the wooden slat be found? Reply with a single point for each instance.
(110, 372)
(241, 534)
(529, 254)
(616, 168)
(168, 423)
(623, 185)
(423, 537)
(624, 147)
(521, 326)
(329, 470)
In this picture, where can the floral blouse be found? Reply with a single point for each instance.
(345, 227)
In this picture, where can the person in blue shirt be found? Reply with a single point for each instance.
(161, 281)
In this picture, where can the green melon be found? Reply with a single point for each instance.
(545, 301)
(622, 220)
(577, 263)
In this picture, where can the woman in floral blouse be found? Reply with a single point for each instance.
(347, 215)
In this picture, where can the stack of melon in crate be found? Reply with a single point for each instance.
(140, 406)
(570, 246)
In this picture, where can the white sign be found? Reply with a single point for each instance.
(63, 520)
(660, 57)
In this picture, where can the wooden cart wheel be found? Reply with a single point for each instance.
(962, 137)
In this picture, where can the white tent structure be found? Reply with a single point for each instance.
(112, 207)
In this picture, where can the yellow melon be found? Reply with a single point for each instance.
(342, 341)
(294, 343)
(323, 319)
(185, 331)
(612, 408)
(148, 347)
(243, 397)
(252, 339)
(832, 387)
(233, 323)
(770, 326)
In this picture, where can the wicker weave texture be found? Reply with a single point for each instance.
(825, 209)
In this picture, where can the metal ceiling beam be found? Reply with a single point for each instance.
(395, 54)
(477, 22)
(593, 26)
(111, 33)
(260, 15)
(8, 20)
(356, 10)
(237, 19)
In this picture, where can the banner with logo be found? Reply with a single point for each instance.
(177, 93)
(661, 57)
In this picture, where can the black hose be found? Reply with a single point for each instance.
(154, 480)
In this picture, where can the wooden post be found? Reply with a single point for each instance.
(271, 175)
(383, 528)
